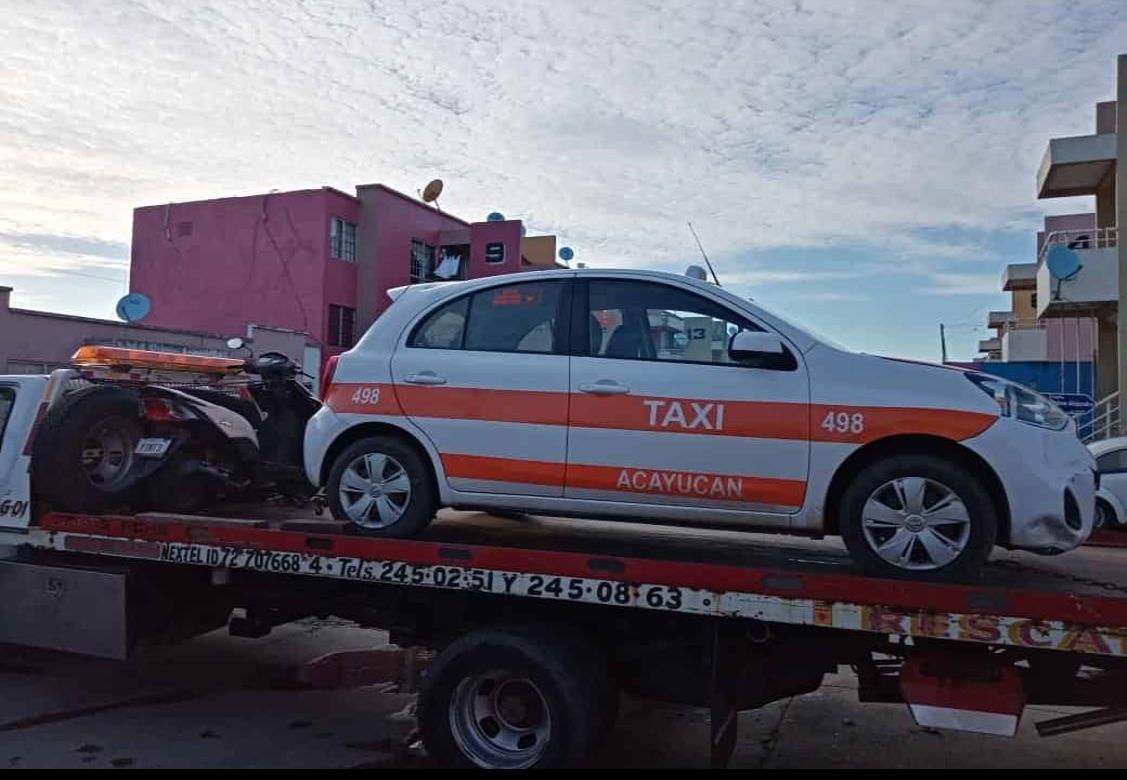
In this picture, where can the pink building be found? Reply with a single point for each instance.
(318, 261)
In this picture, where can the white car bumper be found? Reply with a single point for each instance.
(1049, 479)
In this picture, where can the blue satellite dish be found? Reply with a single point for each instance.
(1063, 262)
(495, 216)
(134, 307)
(566, 253)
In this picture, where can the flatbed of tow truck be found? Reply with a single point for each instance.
(765, 615)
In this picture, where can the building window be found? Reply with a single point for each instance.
(422, 261)
(342, 237)
(342, 326)
(495, 253)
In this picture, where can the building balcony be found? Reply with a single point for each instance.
(1093, 288)
(1000, 319)
(1019, 276)
(992, 347)
(1076, 165)
(1025, 342)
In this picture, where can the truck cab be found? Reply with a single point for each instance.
(24, 400)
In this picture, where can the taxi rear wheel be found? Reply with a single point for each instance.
(918, 517)
(381, 486)
(1105, 515)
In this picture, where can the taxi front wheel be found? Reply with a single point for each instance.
(918, 517)
(382, 486)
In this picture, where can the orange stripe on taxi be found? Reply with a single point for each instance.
(626, 479)
(753, 419)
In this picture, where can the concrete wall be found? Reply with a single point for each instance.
(33, 341)
(1085, 221)
(1097, 283)
(389, 221)
(1070, 338)
(484, 233)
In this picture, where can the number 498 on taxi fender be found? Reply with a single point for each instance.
(639, 395)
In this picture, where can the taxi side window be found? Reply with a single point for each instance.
(650, 321)
(1112, 462)
(7, 401)
(444, 328)
(512, 318)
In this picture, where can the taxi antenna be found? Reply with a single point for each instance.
(704, 254)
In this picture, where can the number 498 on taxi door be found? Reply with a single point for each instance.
(844, 422)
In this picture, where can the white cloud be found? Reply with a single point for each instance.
(768, 123)
(963, 284)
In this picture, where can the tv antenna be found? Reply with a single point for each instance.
(431, 192)
(704, 254)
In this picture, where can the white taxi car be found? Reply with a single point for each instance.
(648, 396)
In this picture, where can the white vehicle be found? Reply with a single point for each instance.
(647, 396)
(1111, 498)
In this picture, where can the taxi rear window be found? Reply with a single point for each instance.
(512, 318)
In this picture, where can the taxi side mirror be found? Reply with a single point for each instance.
(752, 345)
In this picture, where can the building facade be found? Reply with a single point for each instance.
(319, 261)
(1019, 333)
(1091, 166)
(1068, 312)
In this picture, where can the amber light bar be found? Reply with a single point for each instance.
(160, 361)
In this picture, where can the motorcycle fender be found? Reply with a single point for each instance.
(230, 424)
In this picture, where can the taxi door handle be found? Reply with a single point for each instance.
(604, 387)
(425, 378)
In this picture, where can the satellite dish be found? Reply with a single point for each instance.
(495, 216)
(1063, 262)
(566, 253)
(432, 191)
(134, 307)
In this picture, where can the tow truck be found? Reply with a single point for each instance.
(529, 628)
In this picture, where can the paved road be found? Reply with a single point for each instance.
(219, 701)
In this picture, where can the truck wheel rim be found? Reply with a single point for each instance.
(375, 490)
(500, 720)
(916, 523)
(107, 452)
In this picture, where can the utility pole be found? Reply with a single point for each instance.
(943, 342)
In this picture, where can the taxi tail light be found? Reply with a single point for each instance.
(327, 375)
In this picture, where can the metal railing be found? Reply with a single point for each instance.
(1089, 238)
(1104, 421)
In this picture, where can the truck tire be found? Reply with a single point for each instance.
(83, 454)
(383, 487)
(514, 697)
(918, 517)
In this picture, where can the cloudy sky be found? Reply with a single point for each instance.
(865, 167)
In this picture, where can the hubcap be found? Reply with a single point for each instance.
(107, 452)
(916, 523)
(375, 490)
(500, 720)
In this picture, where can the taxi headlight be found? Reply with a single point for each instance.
(1021, 403)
